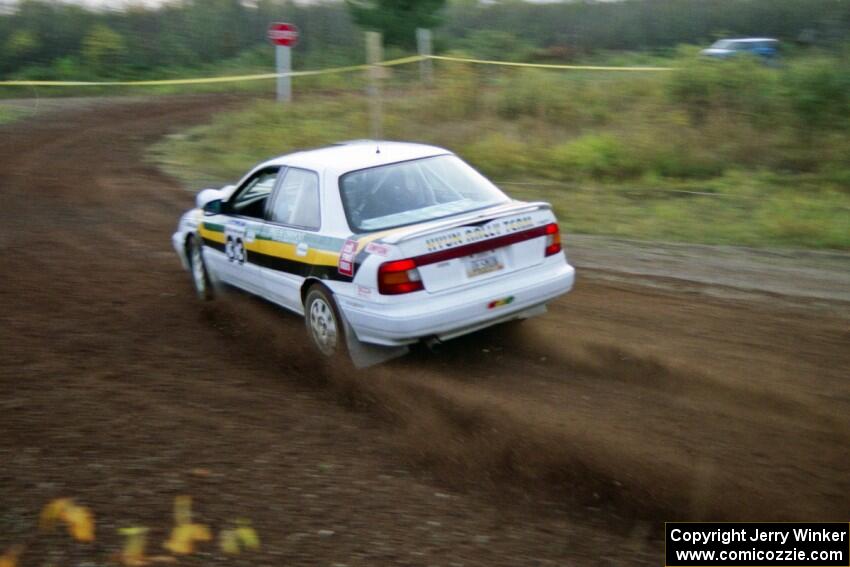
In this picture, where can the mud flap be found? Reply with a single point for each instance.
(364, 355)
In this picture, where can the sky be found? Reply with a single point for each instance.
(99, 3)
(116, 3)
(122, 3)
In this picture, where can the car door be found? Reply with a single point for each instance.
(291, 242)
(231, 236)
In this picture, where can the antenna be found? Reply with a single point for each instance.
(377, 149)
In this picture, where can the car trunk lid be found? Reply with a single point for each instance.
(473, 248)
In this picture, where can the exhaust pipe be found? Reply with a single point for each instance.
(433, 344)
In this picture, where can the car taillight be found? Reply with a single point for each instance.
(399, 276)
(553, 239)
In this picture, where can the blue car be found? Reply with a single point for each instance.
(765, 48)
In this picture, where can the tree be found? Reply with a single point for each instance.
(22, 43)
(397, 20)
(103, 48)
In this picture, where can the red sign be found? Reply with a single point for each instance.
(284, 34)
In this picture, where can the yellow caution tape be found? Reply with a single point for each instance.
(348, 69)
(208, 80)
(546, 65)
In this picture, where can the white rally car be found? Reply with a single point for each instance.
(378, 244)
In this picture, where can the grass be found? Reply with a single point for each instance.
(731, 153)
(737, 209)
(12, 113)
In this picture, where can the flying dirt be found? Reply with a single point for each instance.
(569, 439)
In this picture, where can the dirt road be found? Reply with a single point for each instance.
(564, 441)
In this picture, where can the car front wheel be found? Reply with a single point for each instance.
(200, 277)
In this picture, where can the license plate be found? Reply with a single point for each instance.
(483, 263)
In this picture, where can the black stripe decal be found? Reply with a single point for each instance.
(294, 267)
(297, 268)
(213, 244)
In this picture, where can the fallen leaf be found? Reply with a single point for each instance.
(52, 513)
(79, 519)
(184, 537)
(228, 542)
(133, 553)
(247, 536)
(10, 557)
(80, 522)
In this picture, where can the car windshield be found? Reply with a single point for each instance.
(723, 44)
(399, 194)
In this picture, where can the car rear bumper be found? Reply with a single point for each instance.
(448, 315)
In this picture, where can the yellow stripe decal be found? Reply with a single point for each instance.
(288, 251)
(213, 235)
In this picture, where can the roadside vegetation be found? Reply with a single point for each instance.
(49, 40)
(9, 113)
(719, 152)
(713, 152)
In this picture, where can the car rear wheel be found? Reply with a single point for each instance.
(324, 325)
(200, 277)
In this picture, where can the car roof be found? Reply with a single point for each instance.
(751, 39)
(357, 154)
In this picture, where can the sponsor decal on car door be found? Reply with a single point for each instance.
(230, 243)
(230, 237)
(291, 245)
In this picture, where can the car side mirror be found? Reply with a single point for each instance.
(213, 207)
(208, 195)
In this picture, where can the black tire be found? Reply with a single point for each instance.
(201, 280)
(325, 327)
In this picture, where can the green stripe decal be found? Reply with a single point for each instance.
(213, 227)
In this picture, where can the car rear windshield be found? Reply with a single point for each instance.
(398, 194)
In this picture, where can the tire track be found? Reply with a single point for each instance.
(625, 406)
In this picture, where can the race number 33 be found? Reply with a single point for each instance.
(235, 249)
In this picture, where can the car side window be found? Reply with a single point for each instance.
(250, 200)
(297, 200)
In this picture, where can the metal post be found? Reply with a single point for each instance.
(423, 43)
(283, 57)
(374, 55)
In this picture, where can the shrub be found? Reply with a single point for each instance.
(819, 92)
(458, 93)
(679, 163)
(793, 218)
(594, 155)
(499, 155)
(742, 86)
(499, 45)
(538, 94)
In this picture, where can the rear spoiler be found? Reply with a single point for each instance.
(488, 214)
